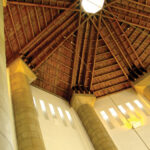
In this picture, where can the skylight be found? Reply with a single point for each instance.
(92, 6)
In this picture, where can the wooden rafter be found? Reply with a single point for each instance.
(96, 45)
(111, 50)
(120, 49)
(51, 37)
(66, 50)
(127, 39)
(138, 3)
(82, 62)
(52, 51)
(77, 56)
(111, 3)
(47, 29)
(123, 20)
(131, 11)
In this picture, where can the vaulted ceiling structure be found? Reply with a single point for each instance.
(70, 49)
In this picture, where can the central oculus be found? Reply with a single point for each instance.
(92, 6)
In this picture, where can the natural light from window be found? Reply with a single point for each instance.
(52, 109)
(122, 109)
(92, 6)
(60, 112)
(130, 106)
(113, 112)
(104, 115)
(68, 115)
(43, 106)
(137, 102)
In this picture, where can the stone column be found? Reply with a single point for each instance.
(83, 104)
(28, 130)
(5, 123)
(142, 85)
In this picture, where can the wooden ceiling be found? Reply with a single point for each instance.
(68, 48)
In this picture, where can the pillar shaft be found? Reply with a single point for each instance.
(28, 130)
(5, 123)
(94, 127)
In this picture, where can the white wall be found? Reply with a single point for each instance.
(6, 133)
(125, 136)
(60, 134)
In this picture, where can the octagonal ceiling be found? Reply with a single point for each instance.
(68, 48)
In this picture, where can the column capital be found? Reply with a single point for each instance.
(18, 66)
(4, 3)
(142, 83)
(79, 99)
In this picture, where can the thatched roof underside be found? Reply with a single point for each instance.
(67, 47)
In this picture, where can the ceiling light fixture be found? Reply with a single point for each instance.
(92, 6)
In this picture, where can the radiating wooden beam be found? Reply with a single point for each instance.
(47, 29)
(51, 36)
(138, 3)
(41, 5)
(131, 11)
(111, 50)
(111, 3)
(122, 53)
(134, 51)
(52, 51)
(124, 21)
(77, 55)
(96, 45)
(82, 62)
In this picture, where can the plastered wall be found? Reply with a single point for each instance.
(125, 136)
(58, 133)
(6, 129)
